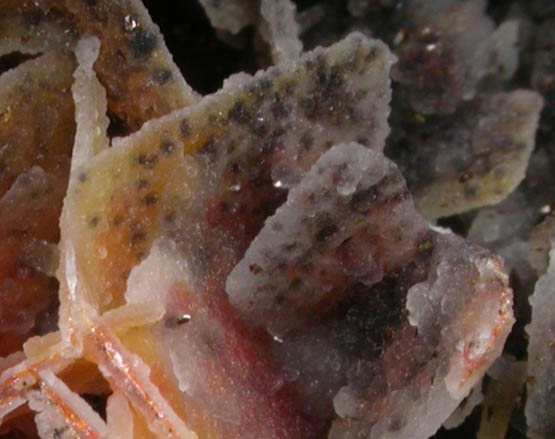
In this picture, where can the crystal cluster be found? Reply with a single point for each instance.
(353, 239)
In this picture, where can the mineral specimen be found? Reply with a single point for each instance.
(447, 48)
(474, 159)
(36, 139)
(540, 404)
(251, 263)
(507, 378)
(275, 21)
(133, 60)
(232, 15)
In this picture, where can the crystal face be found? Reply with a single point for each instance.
(353, 238)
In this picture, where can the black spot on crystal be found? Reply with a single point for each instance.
(325, 232)
(161, 76)
(239, 113)
(278, 109)
(255, 269)
(167, 147)
(259, 127)
(137, 237)
(185, 128)
(147, 160)
(306, 141)
(142, 183)
(150, 199)
(143, 43)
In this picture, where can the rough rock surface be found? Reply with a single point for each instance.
(474, 159)
(281, 29)
(280, 121)
(133, 60)
(447, 48)
(540, 404)
(353, 190)
(36, 136)
(231, 15)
